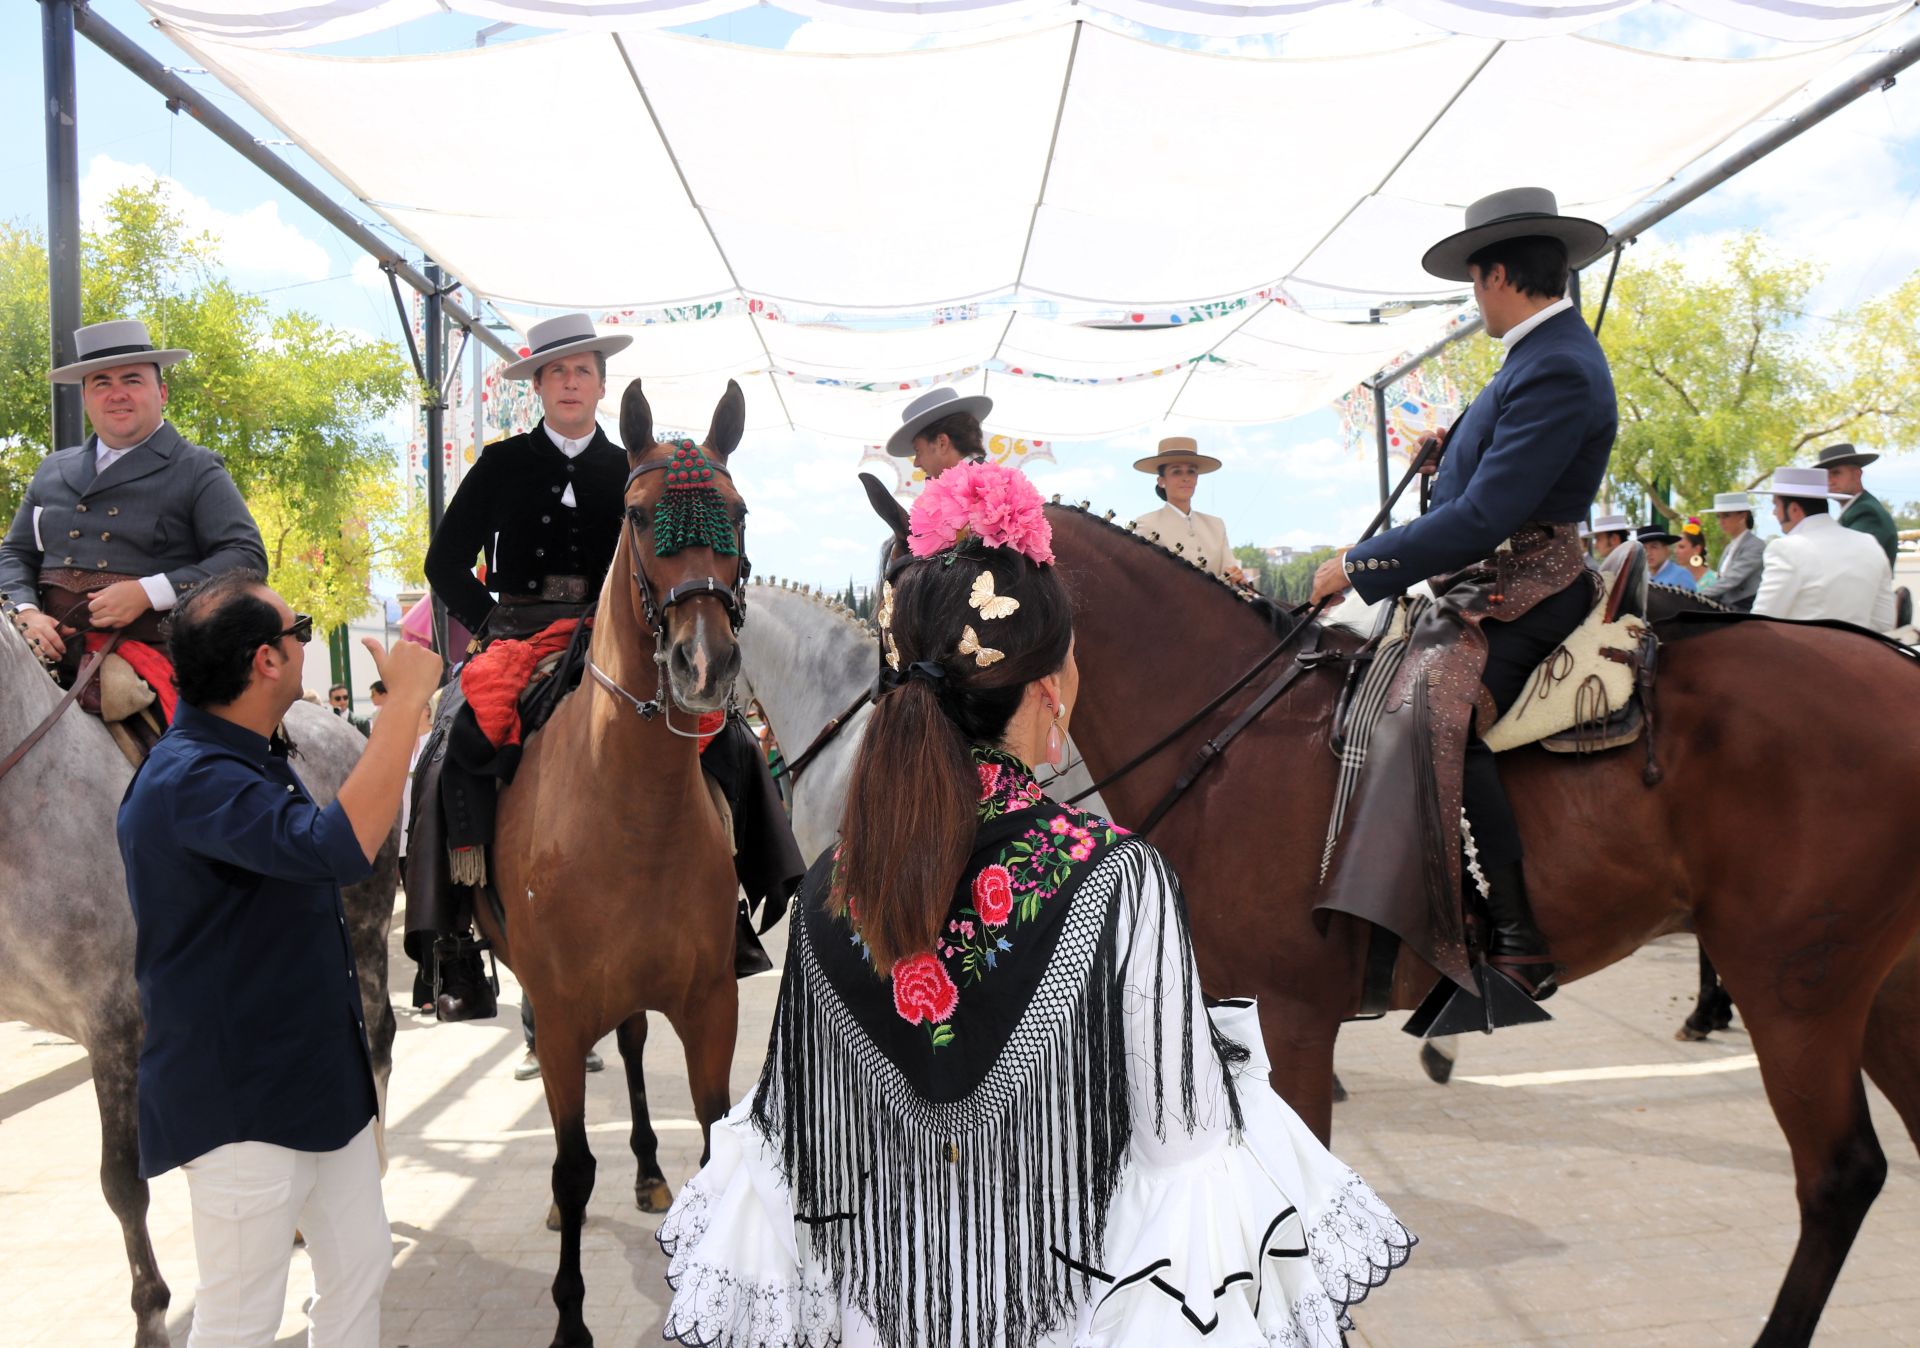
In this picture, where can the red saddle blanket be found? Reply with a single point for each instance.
(493, 680)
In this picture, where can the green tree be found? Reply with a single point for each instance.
(1721, 376)
(293, 405)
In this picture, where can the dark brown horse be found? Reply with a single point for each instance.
(611, 859)
(1804, 938)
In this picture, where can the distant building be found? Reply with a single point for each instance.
(1282, 555)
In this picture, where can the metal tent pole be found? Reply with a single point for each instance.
(1880, 75)
(434, 344)
(63, 210)
(1380, 436)
(181, 95)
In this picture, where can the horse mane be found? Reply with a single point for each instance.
(1278, 618)
(820, 599)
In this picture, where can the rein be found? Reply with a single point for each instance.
(733, 598)
(86, 676)
(827, 734)
(1220, 700)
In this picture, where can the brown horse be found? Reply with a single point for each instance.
(1804, 938)
(611, 859)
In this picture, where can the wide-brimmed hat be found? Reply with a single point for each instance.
(932, 406)
(1731, 502)
(552, 338)
(1177, 449)
(1613, 524)
(1806, 483)
(105, 345)
(1844, 456)
(1653, 533)
(1517, 213)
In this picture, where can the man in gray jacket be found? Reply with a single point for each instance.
(112, 532)
(1740, 561)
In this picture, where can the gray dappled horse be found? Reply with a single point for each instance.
(804, 659)
(66, 928)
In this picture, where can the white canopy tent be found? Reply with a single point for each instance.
(306, 23)
(1030, 183)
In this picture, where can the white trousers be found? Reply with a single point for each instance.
(248, 1199)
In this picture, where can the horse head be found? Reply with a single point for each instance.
(686, 540)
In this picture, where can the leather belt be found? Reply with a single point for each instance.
(554, 590)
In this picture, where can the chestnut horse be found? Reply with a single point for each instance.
(1805, 937)
(610, 858)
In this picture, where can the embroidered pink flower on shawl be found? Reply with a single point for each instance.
(986, 501)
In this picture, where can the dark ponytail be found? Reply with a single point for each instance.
(912, 804)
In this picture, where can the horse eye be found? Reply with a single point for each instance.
(638, 514)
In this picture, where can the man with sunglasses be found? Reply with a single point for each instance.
(234, 874)
(111, 532)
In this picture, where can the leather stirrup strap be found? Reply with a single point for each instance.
(88, 672)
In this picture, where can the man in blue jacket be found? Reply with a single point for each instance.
(1521, 468)
(255, 1076)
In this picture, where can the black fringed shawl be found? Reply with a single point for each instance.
(952, 1134)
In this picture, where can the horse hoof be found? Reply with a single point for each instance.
(1438, 1066)
(1339, 1091)
(1688, 1034)
(652, 1195)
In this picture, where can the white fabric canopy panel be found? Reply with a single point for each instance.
(307, 23)
(1047, 177)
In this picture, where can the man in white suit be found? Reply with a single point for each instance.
(1820, 570)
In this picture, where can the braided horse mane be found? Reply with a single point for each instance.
(1278, 617)
(819, 599)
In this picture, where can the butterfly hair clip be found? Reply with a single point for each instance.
(991, 605)
(982, 655)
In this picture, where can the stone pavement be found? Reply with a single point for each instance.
(1633, 1208)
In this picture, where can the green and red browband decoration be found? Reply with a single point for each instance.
(692, 513)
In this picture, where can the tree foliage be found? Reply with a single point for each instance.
(295, 406)
(1722, 377)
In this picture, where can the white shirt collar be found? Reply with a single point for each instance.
(104, 454)
(1511, 338)
(1818, 522)
(573, 449)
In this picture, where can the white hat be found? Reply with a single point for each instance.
(105, 345)
(1730, 502)
(1613, 524)
(929, 407)
(1805, 483)
(553, 338)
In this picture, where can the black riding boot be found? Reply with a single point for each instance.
(465, 990)
(1515, 945)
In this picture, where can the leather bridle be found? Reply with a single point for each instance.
(733, 598)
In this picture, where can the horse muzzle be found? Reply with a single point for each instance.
(703, 658)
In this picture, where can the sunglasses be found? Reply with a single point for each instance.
(301, 631)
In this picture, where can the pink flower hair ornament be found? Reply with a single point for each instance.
(994, 504)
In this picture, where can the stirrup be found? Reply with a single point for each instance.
(1451, 1009)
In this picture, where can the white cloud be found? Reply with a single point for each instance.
(255, 242)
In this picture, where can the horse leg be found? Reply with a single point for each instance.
(1712, 1008)
(564, 1074)
(650, 1191)
(1893, 1040)
(115, 1062)
(1811, 1067)
(1299, 1044)
(707, 1030)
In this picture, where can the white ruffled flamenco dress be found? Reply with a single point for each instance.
(1217, 1237)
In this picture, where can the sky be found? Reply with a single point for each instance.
(1845, 198)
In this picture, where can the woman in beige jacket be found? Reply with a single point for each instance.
(1202, 539)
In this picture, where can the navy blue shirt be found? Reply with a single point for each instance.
(254, 1028)
(1532, 448)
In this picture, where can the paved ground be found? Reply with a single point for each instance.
(1633, 1208)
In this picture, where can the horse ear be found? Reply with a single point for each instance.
(887, 506)
(636, 423)
(729, 422)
